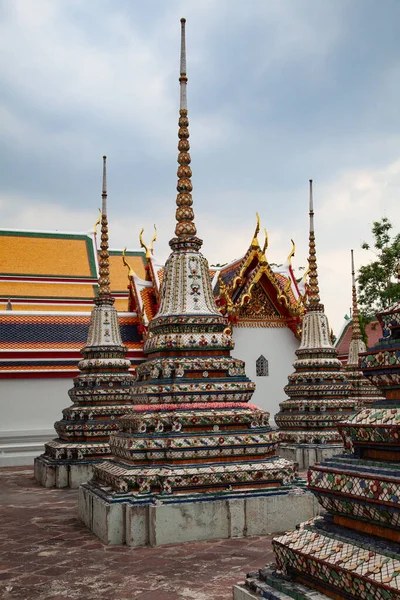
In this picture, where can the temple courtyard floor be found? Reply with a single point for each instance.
(46, 553)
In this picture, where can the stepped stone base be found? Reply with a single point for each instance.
(171, 520)
(307, 455)
(19, 448)
(63, 474)
(267, 584)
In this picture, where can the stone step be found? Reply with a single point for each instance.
(257, 585)
(20, 448)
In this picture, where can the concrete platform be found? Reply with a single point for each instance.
(307, 455)
(62, 474)
(48, 554)
(160, 520)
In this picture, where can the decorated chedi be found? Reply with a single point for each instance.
(102, 391)
(319, 394)
(353, 552)
(194, 459)
(363, 391)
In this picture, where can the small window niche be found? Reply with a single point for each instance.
(262, 369)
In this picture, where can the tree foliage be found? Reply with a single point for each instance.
(378, 285)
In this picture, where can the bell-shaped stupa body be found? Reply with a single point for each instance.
(192, 434)
(319, 393)
(101, 394)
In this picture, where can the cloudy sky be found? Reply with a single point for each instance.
(280, 91)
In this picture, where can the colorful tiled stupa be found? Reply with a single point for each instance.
(363, 391)
(352, 553)
(318, 391)
(192, 450)
(102, 391)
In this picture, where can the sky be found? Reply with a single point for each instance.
(279, 92)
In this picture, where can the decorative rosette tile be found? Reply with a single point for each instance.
(181, 479)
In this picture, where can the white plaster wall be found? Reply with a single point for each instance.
(278, 345)
(32, 406)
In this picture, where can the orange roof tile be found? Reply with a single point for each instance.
(119, 272)
(34, 290)
(282, 282)
(148, 302)
(46, 254)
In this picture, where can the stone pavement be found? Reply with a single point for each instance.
(47, 554)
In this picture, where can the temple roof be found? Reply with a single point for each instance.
(54, 270)
(372, 330)
(51, 341)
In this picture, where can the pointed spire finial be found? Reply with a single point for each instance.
(104, 294)
(104, 190)
(356, 330)
(185, 229)
(313, 289)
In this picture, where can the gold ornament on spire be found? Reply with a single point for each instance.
(313, 289)
(104, 294)
(185, 229)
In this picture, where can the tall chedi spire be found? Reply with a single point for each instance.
(313, 289)
(363, 391)
(318, 391)
(191, 434)
(101, 393)
(185, 229)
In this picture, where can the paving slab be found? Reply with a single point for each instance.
(48, 554)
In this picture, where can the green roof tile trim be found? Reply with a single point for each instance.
(127, 253)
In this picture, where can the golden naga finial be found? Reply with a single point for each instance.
(257, 231)
(292, 252)
(223, 291)
(284, 295)
(149, 249)
(265, 241)
(95, 226)
(130, 270)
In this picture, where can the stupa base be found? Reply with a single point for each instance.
(61, 473)
(267, 584)
(154, 520)
(307, 455)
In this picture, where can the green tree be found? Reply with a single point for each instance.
(378, 285)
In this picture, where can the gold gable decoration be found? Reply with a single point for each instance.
(259, 311)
